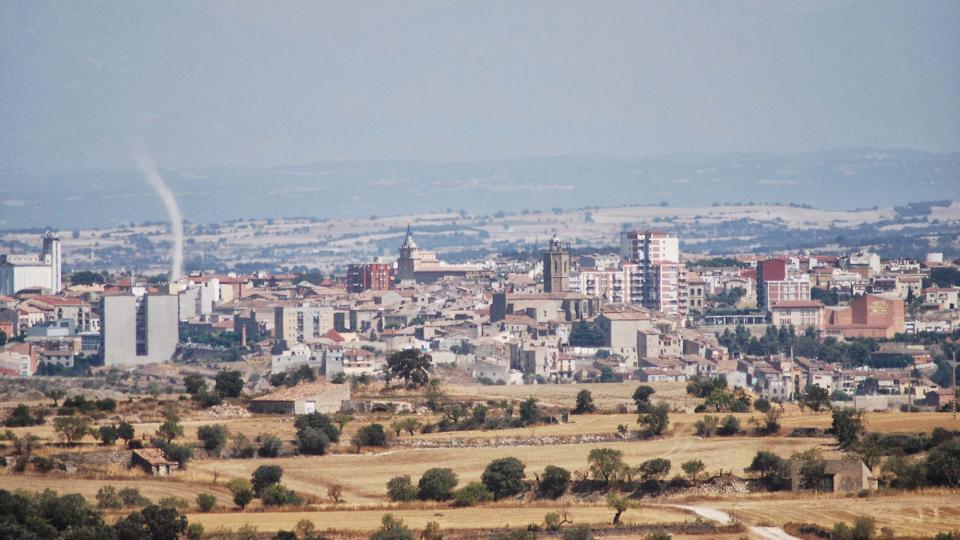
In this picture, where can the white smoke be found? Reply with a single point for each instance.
(149, 170)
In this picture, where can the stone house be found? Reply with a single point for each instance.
(153, 461)
(842, 476)
(319, 396)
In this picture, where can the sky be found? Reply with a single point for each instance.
(251, 83)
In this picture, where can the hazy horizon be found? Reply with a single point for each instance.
(240, 84)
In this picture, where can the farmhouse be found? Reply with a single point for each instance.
(841, 476)
(153, 461)
(319, 396)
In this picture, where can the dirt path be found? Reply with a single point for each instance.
(767, 533)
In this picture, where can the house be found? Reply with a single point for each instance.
(153, 461)
(841, 476)
(318, 396)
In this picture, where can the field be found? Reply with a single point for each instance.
(363, 477)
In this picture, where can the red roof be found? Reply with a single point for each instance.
(334, 336)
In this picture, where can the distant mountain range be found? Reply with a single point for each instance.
(845, 180)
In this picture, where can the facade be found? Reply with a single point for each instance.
(319, 396)
(870, 315)
(376, 275)
(302, 324)
(800, 314)
(415, 265)
(790, 289)
(140, 329)
(556, 267)
(841, 476)
(769, 270)
(153, 461)
(657, 281)
(18, 272)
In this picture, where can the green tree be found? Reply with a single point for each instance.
(279, 495)
(584, 403)
(108, 499)
(71, 428)
(655, 421)
(655, 469)
(693, 468)
(848, 426)
(125, 431)
(170, 429)
(392, 528)
(206, 501)
(773, 470)
(371, 435)
(587, 334)
(195, 384)
(264, 476)
(471, 494)
(605, 464)
(56, 394)
(401, 488)
(228, 384)
(270, 446)
(153, 522)
(319, 421)
(312, 441)
(437, 484)
(554, 481)
(530, 412)
(242, 492)
(816, 398)
(410, 365)
(943, 463)
(813, 468)
(213, 437)
(619, 505)
(641, 397)
(504, 477)
(108, 434)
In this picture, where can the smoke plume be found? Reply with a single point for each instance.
(149, 170)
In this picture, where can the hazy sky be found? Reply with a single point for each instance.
(269, 83)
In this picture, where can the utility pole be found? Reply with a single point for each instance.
(953, 372)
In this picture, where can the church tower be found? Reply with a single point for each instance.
(406, 263)
(556, 267)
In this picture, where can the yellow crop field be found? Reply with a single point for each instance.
(460, 518)
(605, 395)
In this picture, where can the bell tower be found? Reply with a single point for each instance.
(556, 267)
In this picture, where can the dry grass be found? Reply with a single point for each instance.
(605, 395)
(921, 513)
(154, 489)
(313, 475)
(886, 422)
(460, 518)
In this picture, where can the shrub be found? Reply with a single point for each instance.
(772, 469)
(862, 529)
(107, 498)
(584, 403)
(43, 464)
(278, 495)
(265, 476)
(578, 533)
(194, 531)
(530, 412)
(943, 463)
(761, 405)
(179, 453)
(707, 427)
(729, 425)
(554, 481)
(471, 494)
(655, 469)
(312, 441)
(436, 484)
(692, 468)
(213, 437)
(270, 446)
(848, 426)
(206, 502)
(605, 464)
(242, 447)
(242, 492)
(654, 421)
(504, 477)
(372, 435)
(392, 528)
(401, 488)
(131, 497)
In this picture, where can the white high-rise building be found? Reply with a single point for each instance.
(656, 279)
(18, 272)
(140, 329)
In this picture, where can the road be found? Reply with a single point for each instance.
(767, 533)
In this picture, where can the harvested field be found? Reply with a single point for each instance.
(605, 395)
(313, 475)
(919, 513)
(460, 518)
(151, 488)
(886, 422)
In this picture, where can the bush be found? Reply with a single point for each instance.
(270, 446)
(43, 464)
(372, 435)
(584, 403)
(654, 421)
(471, 494)
(206, 502)
(707, 427)
(772, 469)
(278, 495)
(213, 437)
(107, 498)
(312, 441)
(862, 529)
(578, 533)
(530, 412)
(242, 492)
(179, 453)
(265, 476)
(729, 426)
(504, 477)
(655, 469)
(943, 463)
(132, 497)
(554, 481)
(761, 405)
(392, 528)
(436, 484)
(401, 488)
(242, 447)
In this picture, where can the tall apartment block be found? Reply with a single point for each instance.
(775, 284)
(303, 323)
(377, 276)
(556, 267)
(657, 279)
(140, 329)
